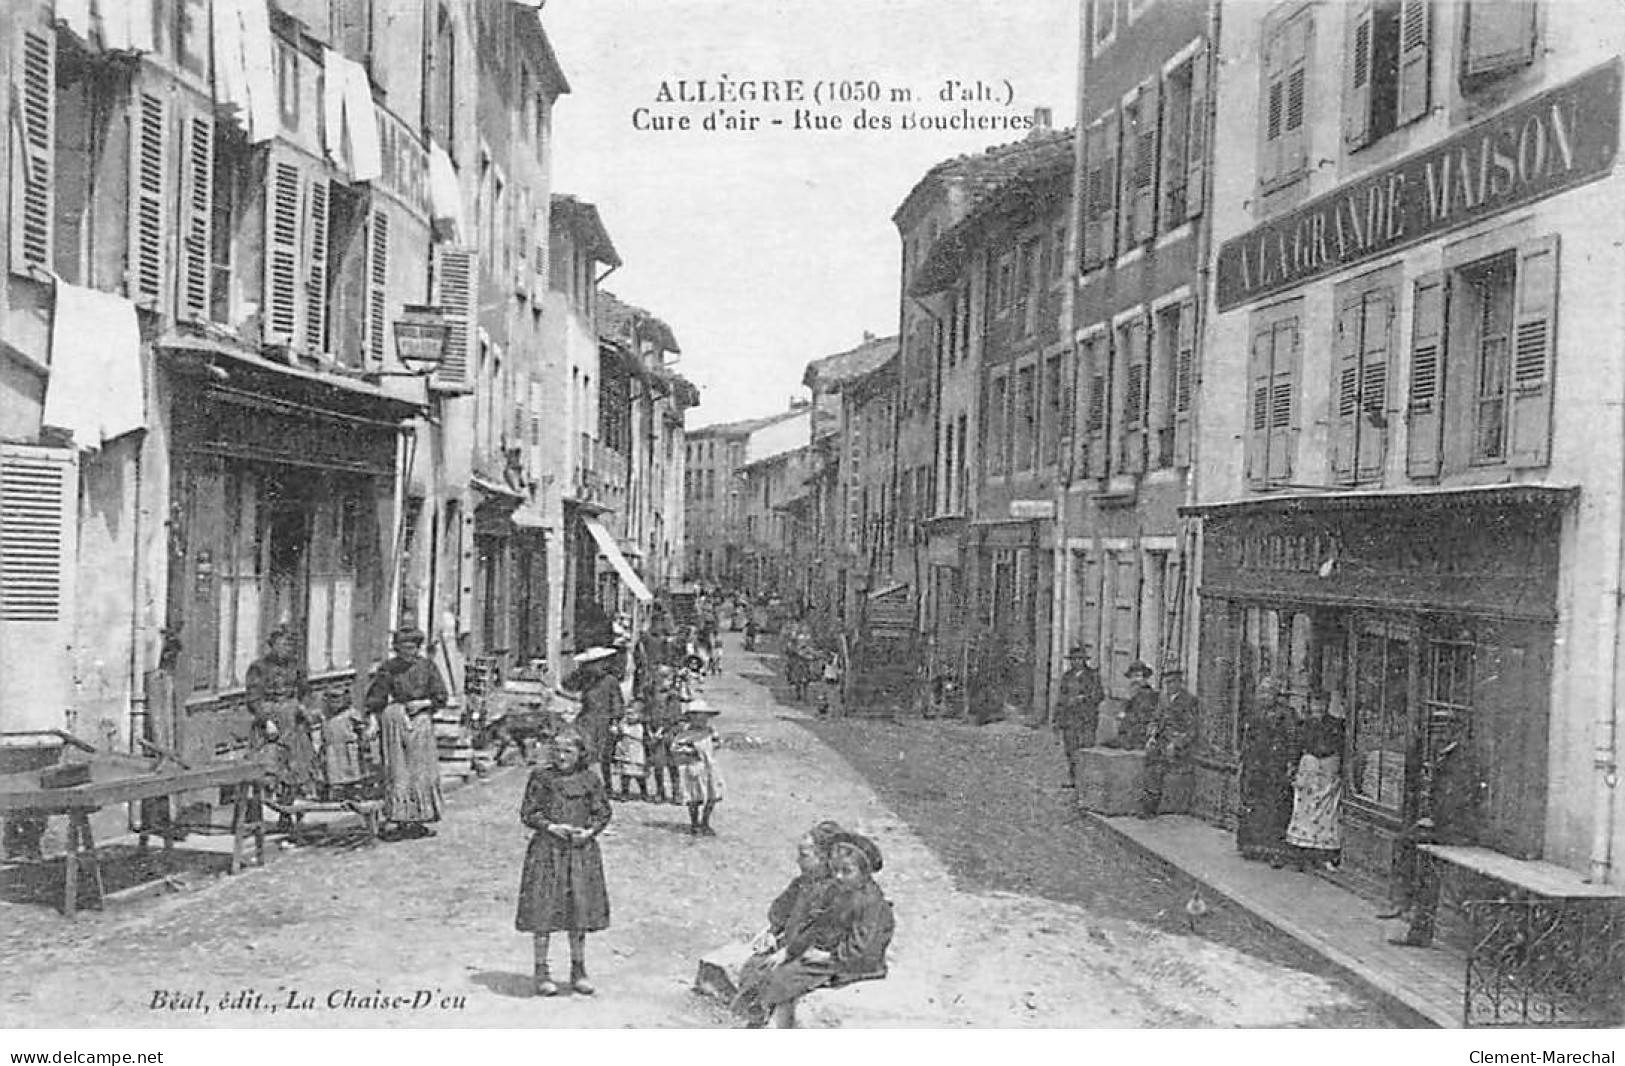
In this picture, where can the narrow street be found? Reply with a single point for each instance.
(1032, 919)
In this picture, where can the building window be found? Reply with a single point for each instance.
(1103, 23)
(1184, 153)
(1283, 151)
(1380, 723)
(1498, 38)
(1385, 69)
(1058, 260)
(1133, 402)
(1100, 192)
(1362, 349)
(996, 445)
(1272, 414)
(1170, 359)
(1055, 425)
(1490, 292)
(442, 98)
(240, 570)
(1138, 197)
(1097, 365)
(1026, 416)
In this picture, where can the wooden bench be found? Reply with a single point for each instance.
(370, 811)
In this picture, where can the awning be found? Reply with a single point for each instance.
(529, 516)
(1530, 495)
(612, 551)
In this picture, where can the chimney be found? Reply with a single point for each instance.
(1043, 118)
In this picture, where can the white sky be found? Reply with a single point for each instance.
(764, 251)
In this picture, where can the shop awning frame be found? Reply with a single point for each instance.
(612, 552)
(1527, 495)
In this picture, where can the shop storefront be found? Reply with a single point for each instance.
(1429, 617)
(282, 514)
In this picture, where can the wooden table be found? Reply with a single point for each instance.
(120, 781)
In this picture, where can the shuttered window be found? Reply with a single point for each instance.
(38, 504)
(1176, 128)
(1415, 60)
(282, 251)
(1534, 345)
(1282, 151)
(1386, 66)
(1272, 410)
(1147, 141)
(998, 446)
(378, 285)
(1425, 408)
(315, 265)
(33, 140)
(1097, 364)
(149, 195)
(1129, 173)
(1362, 344)
(455, 293)
(1133, 354)
(197, 217)
(1184, 383)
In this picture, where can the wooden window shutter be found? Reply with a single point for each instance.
(315, 260)
(1145, 163)
(38, 508)
(1258, 406)
(1091, 196)
(1294, 129)
(1108, 189)
(1128, 169)
(455, 284)
(1196, 137)
(1184, 371)
(33, 146)
(1376, 343)
(377, 285)
(1134, 397)
(1425, 411)
(1272, 108)
(1500, 37)
(149, 158)
(39, 496)
(1358, 58)
(1283, 415)
(1415, 53)
(1534, 333)
(197, 217)
(1099, 393)
(282, 251)
(1345, 390)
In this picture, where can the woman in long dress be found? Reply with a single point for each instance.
(1314, 834)
(1269, 756)
(277, 691)
(405, 692)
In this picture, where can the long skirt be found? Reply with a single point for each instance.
(1316, 793)
(411, 766)
(562, 887)
(701, 780)
(291, 757)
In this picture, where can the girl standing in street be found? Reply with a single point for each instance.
(562, 886)
(694, 749)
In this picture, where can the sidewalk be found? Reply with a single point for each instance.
(1329, 920)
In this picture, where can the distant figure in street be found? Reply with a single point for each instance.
(602, 706)
(1315, 833)
(276, 697)
(1269, 759)
(1168, 741)
(631, 754)
(843, 937)
(562, 887)
(1134, 721)
(829, 683)
(662, 715)
(1077, 712)
(805, 896)
(694, 750)
(405, 692)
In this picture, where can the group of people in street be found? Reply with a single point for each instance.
(332, 755)
(1162, 724)
(1291, 784)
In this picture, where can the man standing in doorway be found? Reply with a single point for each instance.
(1077, 712)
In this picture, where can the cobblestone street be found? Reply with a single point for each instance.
(1020, 915)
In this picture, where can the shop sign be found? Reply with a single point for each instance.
(1552, 143)
(1029, 510)
(405, 163)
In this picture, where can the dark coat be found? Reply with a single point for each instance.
(1271, 745)
(1081, 694)
(562, 886)
(854, 927)
(400, 680)
(601, 707)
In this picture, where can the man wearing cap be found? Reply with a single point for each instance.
(1168, 739)
(1077, 712)
(1134, 721)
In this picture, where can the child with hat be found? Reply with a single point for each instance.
(694, 750)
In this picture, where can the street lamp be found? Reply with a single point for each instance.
(422, 335)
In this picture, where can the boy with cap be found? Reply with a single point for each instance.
(1134, 721)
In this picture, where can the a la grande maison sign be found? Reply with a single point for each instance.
(1562, 138)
